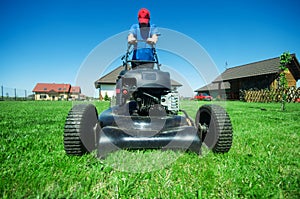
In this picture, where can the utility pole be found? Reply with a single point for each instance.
(2, 93)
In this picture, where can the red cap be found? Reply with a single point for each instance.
(144, 15)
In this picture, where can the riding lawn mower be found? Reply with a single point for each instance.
(146, 115)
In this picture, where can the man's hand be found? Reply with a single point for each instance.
(151, 41)
(131, 39)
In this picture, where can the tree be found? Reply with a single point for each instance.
(285, 59)
(106, 98)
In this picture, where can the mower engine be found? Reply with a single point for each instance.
(149, 90)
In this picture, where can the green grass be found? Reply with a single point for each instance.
(262, 163)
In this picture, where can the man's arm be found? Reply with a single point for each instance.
(131, 39)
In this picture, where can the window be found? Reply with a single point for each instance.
(43, 96)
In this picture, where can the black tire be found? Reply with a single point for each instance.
(219, 136)
(81, 130)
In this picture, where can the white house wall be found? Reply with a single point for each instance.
(108, 89)
(51, 97)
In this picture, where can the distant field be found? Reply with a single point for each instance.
(264, 161)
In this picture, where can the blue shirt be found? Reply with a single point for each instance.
(142, 50)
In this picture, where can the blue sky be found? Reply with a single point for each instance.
(49, 40)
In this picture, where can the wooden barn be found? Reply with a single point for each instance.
(254, 76)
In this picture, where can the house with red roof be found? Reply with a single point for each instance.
(75, 93)
(53, 91)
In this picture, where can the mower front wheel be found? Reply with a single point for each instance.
(217, 128)
(82, 129)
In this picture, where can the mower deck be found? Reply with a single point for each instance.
(146, 132)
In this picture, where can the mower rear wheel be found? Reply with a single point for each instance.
(218, 134)
(81, 130)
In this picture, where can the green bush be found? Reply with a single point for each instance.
(106, 98)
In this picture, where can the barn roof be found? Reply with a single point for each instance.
(214, 86)
(265, 67)
(110, 78)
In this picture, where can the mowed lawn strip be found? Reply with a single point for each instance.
(263, 161)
